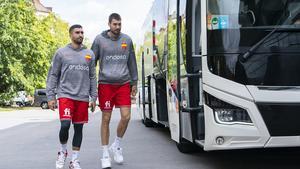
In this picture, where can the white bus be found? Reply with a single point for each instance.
(222, 74)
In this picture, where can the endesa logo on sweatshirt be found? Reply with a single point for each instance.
(79, 67)
(116, 57)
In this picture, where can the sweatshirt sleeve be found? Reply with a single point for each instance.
(96, 49)
(53, 76)
(93, 80)
(132, 65)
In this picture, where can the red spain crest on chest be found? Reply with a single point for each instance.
(88, 57)
(124, 45)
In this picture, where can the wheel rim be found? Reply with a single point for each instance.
(44, 105)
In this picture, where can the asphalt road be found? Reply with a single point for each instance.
(32, 143)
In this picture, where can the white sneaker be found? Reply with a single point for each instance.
(105, 162)
(61, 159)
(74, 165)
(117, 152)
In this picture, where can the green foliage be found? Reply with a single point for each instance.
(139, 52)
(27, 44)
(172, 61)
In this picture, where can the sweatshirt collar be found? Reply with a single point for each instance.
(79, 49)
(105, 35)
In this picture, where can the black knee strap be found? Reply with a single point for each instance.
(77, 139)
(64, 131)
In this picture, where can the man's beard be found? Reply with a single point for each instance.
(116, 32)
(78, 41)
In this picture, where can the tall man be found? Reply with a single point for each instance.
(117, 82)
(72, 76)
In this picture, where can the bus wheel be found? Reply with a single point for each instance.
(186, 146)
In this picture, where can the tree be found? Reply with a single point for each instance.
(27, 44)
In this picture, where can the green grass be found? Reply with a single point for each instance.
(7, 109)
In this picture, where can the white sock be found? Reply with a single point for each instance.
(75, 155)
(105, 153)
(117, 142)
(63, 148)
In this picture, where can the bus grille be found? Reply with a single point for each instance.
(281, 119)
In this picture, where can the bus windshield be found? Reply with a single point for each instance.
(249, 39)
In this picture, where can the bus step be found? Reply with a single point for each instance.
(200, 142)
(192, 109)
(165, 123)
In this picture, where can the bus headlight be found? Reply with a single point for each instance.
(231, 116)
(226, 113)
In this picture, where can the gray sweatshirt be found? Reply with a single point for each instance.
(72, 75)
(117, 62)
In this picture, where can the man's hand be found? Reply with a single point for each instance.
(133, 90)
(93, 106)
(51, 104)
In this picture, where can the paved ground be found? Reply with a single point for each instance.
(13, 118)
(33, 143)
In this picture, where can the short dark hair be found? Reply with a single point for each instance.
(114, 16)
(73, 27)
